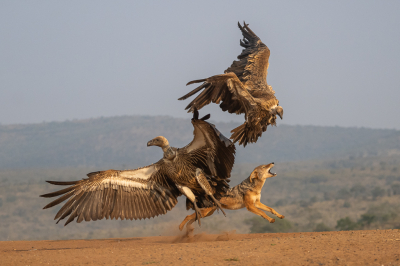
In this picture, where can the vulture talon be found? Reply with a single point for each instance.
(198, 213)
(218, 204)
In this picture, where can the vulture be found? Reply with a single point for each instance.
(242, 89)
(200, 171)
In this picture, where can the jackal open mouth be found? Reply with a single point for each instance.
(269, 171)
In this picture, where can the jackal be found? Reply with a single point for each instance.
(246, 194)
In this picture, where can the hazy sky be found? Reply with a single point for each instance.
(332, 63)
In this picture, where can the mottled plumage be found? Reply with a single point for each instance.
(242, 89)
(151, 190)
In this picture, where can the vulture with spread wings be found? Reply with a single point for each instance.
(153, 190)
(242, 89)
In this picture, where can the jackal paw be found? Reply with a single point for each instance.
(281, 216)
(272, 221)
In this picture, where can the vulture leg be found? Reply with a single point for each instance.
(197, 211)
(202, 180)
(189, 194)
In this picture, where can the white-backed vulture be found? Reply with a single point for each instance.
(153, 190)
(242, 89)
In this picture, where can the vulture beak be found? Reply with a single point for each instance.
(150, 143)
(279, 112)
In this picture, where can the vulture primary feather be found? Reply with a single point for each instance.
(242, 89)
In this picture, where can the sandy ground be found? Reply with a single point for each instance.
(377, 247)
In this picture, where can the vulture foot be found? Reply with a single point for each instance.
(198, 213)
(218, 204)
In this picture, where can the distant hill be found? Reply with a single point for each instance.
(325, 175)
(120, 142)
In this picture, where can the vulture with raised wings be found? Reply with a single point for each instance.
(153, 190)
(242, 89)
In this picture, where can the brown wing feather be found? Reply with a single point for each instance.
(130, 194)
(218, 150)
(213, 153)
(225, 88)
(252, 67)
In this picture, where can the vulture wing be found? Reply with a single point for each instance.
(129, 194)
(234, 88)
(226, 88)
(210, 149)
(252, 67)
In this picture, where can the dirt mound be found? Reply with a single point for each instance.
(378, 247)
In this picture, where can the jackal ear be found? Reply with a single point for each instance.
(253, 175)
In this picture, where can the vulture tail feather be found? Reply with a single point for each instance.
(244, 134)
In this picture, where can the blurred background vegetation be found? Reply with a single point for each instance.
(329, 178)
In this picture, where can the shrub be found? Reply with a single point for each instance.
(304, 204)
(260, 225)
(11, 198)
(358, 190)
(321, 227)
(377, 192)
(395, 189)
(366, 219)
(343, 194)
(318, 179)
(313, 200)
(328, 196)
(382, 216)
(346, 224)
(346, 204)
(281, 202)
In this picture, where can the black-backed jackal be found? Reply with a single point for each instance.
(246, 194)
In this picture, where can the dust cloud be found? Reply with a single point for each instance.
(190, 237)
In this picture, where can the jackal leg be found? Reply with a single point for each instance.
(187, 219)
(202, 180)
(251, 208)
(205, 212)
(268, 209)
(189, 194)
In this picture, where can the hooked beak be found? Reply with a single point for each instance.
(150, 143)
(279, 111)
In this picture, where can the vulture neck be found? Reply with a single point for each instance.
(165, 148)
(169, 153)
